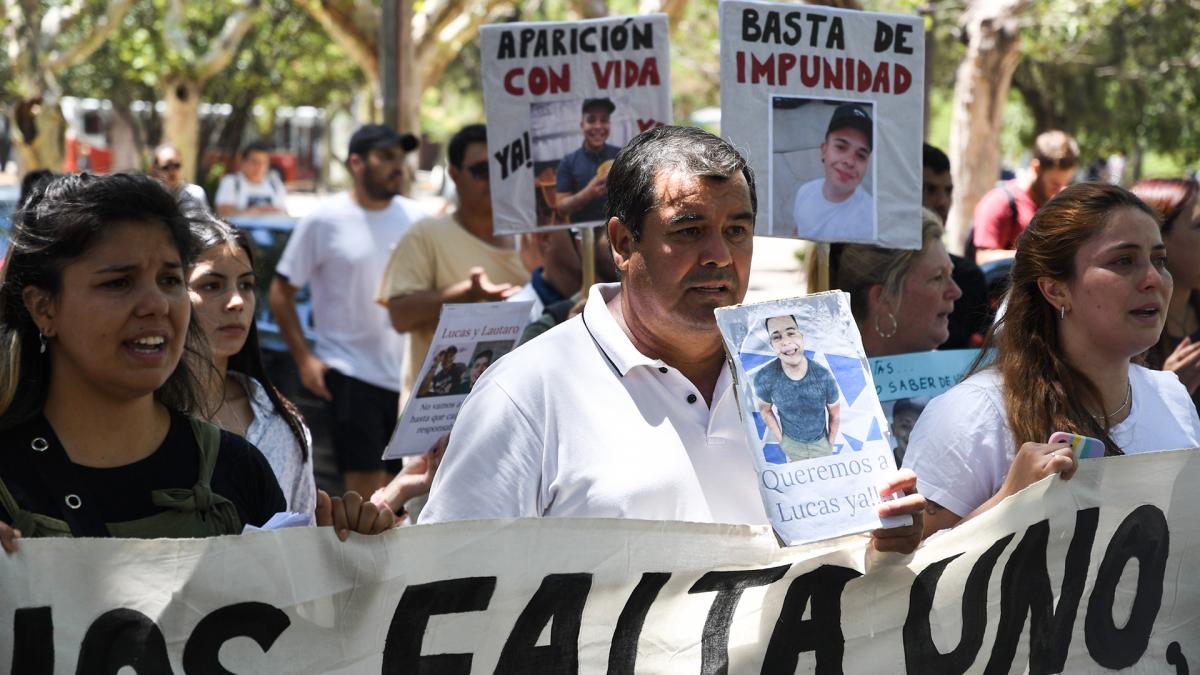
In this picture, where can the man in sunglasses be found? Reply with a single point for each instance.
(582, 174)
(340, 251)
(168, 168)
(453, 258)
(1004, 213)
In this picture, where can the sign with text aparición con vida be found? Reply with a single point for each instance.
(828, 106)
(561, 99)
(1092, 574)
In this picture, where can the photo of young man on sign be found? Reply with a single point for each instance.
(797, 397)
(822, 170)
(574, 145)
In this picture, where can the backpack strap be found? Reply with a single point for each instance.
(1012, 211)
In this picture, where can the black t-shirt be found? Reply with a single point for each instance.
(241, 475)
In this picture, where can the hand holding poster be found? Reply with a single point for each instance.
(811, 415)
(839, 94)
(562, 99)
(469, 338)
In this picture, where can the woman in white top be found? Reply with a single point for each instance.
(1089, 292)
(241, 397)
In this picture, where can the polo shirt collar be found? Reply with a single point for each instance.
(608, 335)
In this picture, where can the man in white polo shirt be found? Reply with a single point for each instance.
(628, 410)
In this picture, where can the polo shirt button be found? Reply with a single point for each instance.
(691, 398)
(662, 369)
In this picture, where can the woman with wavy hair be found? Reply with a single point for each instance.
(1090, 290)
(1177, 202)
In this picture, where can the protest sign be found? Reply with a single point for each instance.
(810, 414)
(840, 96)
(1087, 575)
(561, 100)
(905, 383)
(469, 338)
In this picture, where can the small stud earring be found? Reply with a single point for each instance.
(1062, 312)
(42, 342)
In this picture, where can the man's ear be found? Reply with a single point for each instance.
(1055, 292)
(1035, 166)
(40, 306)
(621, 240)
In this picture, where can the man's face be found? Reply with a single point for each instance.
(1050, 181)
(845, 154)
(168, 167)
(381, 172)
(936, 191)
(595, 128)
(474, 192)
(694, 253)
(255, 164)
(786, 340)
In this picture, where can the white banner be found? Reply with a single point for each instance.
(555, 91)
(828, 107)
(1093, 574)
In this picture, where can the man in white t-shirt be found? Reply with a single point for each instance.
(629, 410)
(252, 188)
(340, 251)
(836, 207)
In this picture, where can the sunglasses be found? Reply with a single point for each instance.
(171, 166)
(479, 170)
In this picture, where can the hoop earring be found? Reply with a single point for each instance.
(892, 332)
(41, 342)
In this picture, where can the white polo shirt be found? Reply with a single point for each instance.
(579, 423)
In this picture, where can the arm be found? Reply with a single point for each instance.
(1033, 462)
(834, 420)
(420, 309)
(414, 480)
(768, 414)
(567, 203)
(226, 210)
(283, 305)
(987, 255)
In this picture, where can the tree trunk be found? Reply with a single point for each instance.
(181, 124)
(980, 92)
(127, 146)
(38, 129)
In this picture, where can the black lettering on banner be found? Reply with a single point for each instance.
(821, 633)
(33, 641)
(258, 621)
(1144, 535)
(558, 601)
(714, 649)
(402, 647)
(123, 638)
(622, 653)
(1176, 658)
(1025, 589)
(921, 655)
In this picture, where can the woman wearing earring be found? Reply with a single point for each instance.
(901, 300)
(1090, 289)
(1177, 202)
(239, 393)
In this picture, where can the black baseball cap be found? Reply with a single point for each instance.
(607, 104)
(371, 136)
(853, 116)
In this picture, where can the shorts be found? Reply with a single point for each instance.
(362, 418)
(798, 450)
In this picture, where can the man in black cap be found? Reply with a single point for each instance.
(582, 174)
(340, 251)
(836, 207)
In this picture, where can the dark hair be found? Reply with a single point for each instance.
(208, 232)
(1044, 393)
(457, 148)
(256, 146)
(61, 221)
(631, 179)
(30, 182)
(769, 319)
(934, 159)
(486, 352)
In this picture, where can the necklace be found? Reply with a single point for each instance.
(1128, 398)
(223, 421)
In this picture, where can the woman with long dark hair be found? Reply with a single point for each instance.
(1090, 290)
(239, 393)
